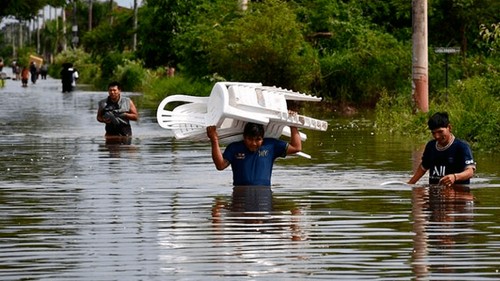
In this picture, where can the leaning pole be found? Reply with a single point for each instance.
(420, 81)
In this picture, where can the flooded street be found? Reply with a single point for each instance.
(76, 208)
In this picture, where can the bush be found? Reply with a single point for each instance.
(373, 63)
(130, 75)
(473, 105)
(88, 71)
(474, 110)
(23, 56)
(250, 47)
(395, 115)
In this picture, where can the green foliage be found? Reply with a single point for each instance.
(351, 52)
(394, 16)
(21, 9)
(88, 71)
(456, 22)
(190, 47)
(490, 37)
(394, 114)
(113, 66)
(109, 62)
(110, 38)
(325, 15)
(100, 15)
(51, 36)
(338, 21)
(374, 62)
(473, 105)
(5, 53)
(23, 56)
(161, 22)
(253, 48)
(131, 75)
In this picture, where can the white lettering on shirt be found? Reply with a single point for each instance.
(263, 153)
(439, 171)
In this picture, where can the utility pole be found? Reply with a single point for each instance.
(90, 15)
(38, 33)
(420, 68)
(111, 12)
(243, 5)
(63, 19)
(75, 39)
(134, 42)
(21, 31)
(43, 50)
(13, 40)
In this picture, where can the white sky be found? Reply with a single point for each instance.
(127, 3)
(123, 3)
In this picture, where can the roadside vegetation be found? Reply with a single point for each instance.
(355, 54)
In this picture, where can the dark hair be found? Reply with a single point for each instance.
(115, 83)
(438, 120)
(253, 130)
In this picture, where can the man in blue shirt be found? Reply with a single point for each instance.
(449, 160)
(252, 158)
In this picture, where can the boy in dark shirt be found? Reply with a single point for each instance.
(449, 160)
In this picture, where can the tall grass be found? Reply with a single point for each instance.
(473, 106)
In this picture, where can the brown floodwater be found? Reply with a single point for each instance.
(76, 208)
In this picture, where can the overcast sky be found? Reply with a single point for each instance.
(127, 3)
(123, 3)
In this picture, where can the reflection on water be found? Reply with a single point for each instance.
(253, 206)
(252, 199)
(76, 206)
(115, 145)
(443, 226)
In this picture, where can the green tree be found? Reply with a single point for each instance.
(252, 48)
(26, 9)
(392, 16)
(160, 21)
(490, 38)
(21, 9)
(330, 25)
(110, 38)
(191, 46)
(457, 22)
(51, 35)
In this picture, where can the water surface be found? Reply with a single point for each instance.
(76, 208)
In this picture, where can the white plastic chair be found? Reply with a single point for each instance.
(230, 106)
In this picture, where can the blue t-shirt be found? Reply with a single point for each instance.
(254, 168)
(452, 160)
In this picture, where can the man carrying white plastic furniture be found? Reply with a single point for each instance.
(252, 158)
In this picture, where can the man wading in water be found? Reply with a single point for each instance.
(252, 158)
(448, 159)
(116, 112)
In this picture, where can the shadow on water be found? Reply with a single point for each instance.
(76, 206)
